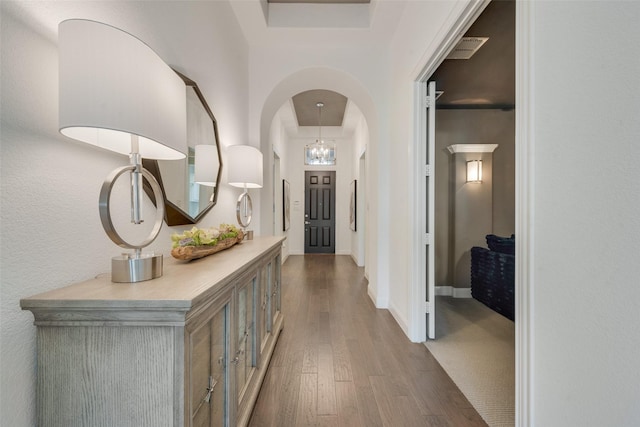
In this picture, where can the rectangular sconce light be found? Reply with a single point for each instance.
(474, 171)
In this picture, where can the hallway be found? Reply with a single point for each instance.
(341, 362)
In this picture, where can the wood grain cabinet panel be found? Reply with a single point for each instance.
(265, 292)
(207, 365)
(274, 299)
(246, 355)
(190, 348)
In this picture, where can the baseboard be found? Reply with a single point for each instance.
(301, 252)
(399, 319)
(355, 261)
(378, 302)
(372, 295)
(450, 291)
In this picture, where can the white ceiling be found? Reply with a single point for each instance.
(365, 25)
(329, 28)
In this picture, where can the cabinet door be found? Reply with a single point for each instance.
(207, 377)
(245, 356)
(265, 310)
(274, 299)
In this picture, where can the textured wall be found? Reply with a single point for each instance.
(461, 222)
(51, 234)
(585, 104)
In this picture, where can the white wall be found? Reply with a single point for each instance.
(585, 106)
(358, 237)
(279, 142)
(480, 127)
(380, 82)
(288, 140)
(413, 44)
(296, 172)
(50, 230)
(320, 78)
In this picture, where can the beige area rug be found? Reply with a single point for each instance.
(476, 347)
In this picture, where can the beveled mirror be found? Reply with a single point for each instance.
(186, 201)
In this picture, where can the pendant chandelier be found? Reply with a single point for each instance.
(320, 152)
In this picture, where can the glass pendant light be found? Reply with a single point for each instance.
(320, 152)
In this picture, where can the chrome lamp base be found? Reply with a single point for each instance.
(132, 268)
(137, 266)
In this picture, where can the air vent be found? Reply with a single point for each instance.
(466, 47)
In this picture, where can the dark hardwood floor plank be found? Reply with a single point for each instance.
(310, 359)
(369, 410)
(358, 368)
(326, 381)
(436, 421)
(288, 393)
(328, 421)
(347, 405)
(324, 327)
(411, 416)
(383, 394)
(339, 361)
(307, 411)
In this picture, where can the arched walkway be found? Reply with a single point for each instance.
(337, 81)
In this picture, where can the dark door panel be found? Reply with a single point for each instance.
(320, 211)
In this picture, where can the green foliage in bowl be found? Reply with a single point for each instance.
(204, 236)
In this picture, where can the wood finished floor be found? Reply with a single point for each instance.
(341, 362)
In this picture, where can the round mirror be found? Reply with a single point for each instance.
(187, 201)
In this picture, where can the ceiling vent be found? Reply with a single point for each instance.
(466, 47)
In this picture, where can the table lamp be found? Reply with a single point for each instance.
(118, 94)
(245, 171)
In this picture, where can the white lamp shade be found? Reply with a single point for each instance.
(244, 166)
(474, 171)
(112, 85)
(206, 165)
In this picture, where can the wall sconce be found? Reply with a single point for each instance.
(245, 171)
(118, 94)
(474, 171)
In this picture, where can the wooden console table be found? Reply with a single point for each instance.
(190, 348)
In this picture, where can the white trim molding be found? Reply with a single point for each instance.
(401, 321)
(450, 291)
(472, 148)
(525, 211)
(452, 30)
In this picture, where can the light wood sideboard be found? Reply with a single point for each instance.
(190, 348)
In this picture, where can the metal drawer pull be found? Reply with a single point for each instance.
(212, 385)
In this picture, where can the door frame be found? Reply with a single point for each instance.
(417, 309)
(524, 212)
(423, 297)
(333, 174)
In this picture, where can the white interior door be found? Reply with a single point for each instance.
(428, 190)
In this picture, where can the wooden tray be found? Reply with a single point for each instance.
(187, 253)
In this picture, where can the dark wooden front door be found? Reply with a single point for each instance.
(319, 212)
